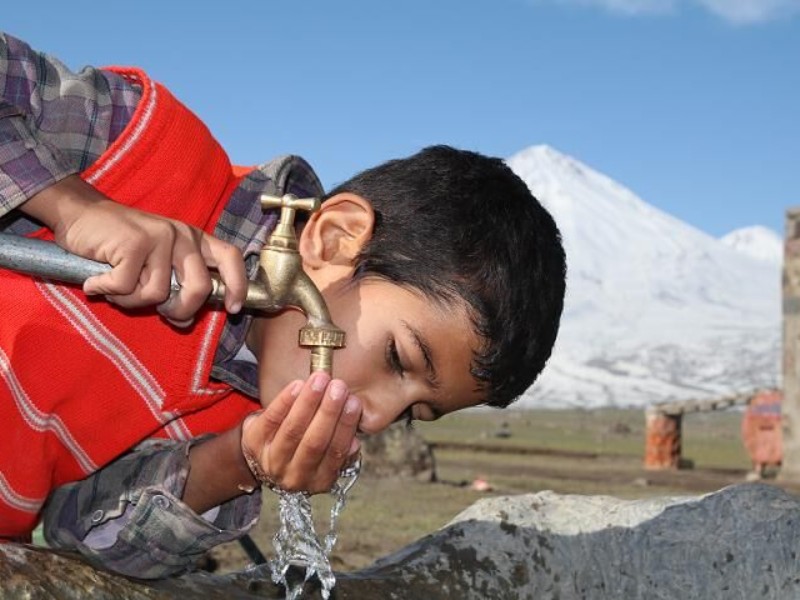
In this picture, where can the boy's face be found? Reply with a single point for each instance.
(405, 357)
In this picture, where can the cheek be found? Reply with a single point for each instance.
(345, 366)
(361, 363)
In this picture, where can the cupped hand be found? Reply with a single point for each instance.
(306, 435)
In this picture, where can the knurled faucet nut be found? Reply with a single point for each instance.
(313, 336)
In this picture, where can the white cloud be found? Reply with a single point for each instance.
(742, 12)
(752, 11)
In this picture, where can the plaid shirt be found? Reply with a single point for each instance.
(146, 532)
(55, 123)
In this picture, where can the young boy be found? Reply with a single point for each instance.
(445, 273)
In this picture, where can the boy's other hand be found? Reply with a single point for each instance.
(306, 435)
(142, 248)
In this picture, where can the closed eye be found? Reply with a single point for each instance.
(393, 357)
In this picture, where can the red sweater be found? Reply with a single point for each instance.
(81, 381)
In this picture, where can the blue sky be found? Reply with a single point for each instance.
(693, 104)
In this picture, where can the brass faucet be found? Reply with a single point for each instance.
(281, 282)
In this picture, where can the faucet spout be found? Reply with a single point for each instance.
(320, 334)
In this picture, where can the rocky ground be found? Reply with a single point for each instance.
(585, 540)
(487, 454)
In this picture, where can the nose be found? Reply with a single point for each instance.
(372, 422)
(380, 412)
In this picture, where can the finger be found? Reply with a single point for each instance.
(191, 272)
(261, 430)
(317, 439)
(180, 324)
(155, 276)
(229, 262)
(343, 445)
(288, 437)
(122, 279)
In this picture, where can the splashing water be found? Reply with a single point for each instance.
(297, 542)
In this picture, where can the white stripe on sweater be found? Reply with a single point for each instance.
(40, 421)
(139, 128)
(204, 355)
(86, 323)
(16, 500)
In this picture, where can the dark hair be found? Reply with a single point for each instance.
(456, 224)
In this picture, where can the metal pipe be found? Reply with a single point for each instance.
(46, 259)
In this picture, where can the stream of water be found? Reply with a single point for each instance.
(297, 542)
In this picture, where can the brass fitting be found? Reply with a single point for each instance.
(281, 282)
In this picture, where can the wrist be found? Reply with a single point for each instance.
(252, 480)
(58, 205)
(260, 477)
(217, 472)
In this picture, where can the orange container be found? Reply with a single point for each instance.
(663, 441)
(761, 430)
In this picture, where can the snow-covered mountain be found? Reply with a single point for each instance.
(656, 310)
(756, 241)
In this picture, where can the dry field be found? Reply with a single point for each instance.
(517, 452)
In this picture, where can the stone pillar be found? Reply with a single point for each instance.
(662, 440)
(790, 471)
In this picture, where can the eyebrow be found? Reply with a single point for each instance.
(427, 355)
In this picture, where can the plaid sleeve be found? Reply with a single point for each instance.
(128, 517)
(27, 164)
(53, 122)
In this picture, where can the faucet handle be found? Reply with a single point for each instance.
(289, 204)
(283, 235)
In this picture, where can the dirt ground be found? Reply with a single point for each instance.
(569, 452)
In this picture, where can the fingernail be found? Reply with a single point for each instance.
(338, 389)
(319, 381)
(352, 405)
(355, 445)
(235, 308)
(180, 324)
(296, 387)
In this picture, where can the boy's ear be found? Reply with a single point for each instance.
(336, 233)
